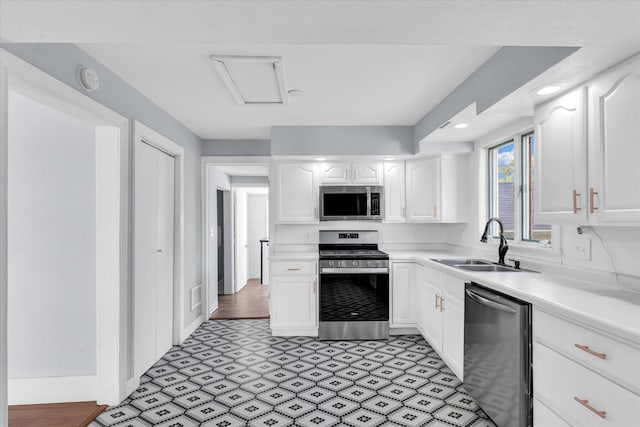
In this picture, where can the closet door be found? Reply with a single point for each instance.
(153, 270)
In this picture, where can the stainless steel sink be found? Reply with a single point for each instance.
(479, 265)
(461, 261)
(491, 267)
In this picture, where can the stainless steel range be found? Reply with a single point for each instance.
(354, 286)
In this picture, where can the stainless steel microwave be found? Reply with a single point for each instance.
(351, 202)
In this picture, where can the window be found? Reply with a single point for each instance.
(511, 180)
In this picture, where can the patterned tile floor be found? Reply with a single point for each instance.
(235, 373)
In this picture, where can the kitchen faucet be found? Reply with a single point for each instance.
(504, 247)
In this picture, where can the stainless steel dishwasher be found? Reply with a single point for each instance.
(497, 355)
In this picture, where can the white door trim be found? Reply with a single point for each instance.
(111, 250)
(207, 161)
(4, 85)
(142, 135)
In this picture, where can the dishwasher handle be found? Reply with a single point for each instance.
(489, 303)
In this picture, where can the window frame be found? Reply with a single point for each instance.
(521, 187)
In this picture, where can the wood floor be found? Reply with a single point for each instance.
(77, 414)
(252, 302)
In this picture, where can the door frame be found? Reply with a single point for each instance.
(143, 134)
(207, 219)
(112, 173)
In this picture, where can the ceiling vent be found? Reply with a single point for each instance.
(444, 125)
(253, 79)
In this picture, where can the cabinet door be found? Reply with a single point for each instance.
(403, 294)
(297, 199)
(432, 329)
(394, 201)
(293, 301)
(335, 173)
(422, 190)
(453, 331)
(366, 173)
(561, 160)
(614, 193)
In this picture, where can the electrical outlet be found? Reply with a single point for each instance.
(580, 249)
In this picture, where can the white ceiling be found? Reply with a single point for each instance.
(342, 84)
(364, 62)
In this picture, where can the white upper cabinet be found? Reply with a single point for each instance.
(296, 193)
(614, 99)
(366, 173)
(422, 189)
(351, 173)
(335, 173)
(394, 200)
(561, 159)
(587, 165)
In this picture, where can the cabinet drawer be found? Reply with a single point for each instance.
(545, 417)
(604, 355)
(561, 381)
(293, 267)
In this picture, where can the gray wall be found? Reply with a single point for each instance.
(52, 242)
(342, 140)
(236, 147)
(507, 70)
(61, 61)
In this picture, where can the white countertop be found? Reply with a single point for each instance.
(612, 310)
(298, 256)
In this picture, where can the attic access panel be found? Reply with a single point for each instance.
(253, 79)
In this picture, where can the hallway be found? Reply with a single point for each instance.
(252, 302)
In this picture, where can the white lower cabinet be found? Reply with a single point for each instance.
(294, 298)
(578, 375)
(440, 315)
(403, 301)
(545, 417)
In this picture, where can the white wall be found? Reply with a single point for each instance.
(240, 230)
(52, 242)
(257, 228)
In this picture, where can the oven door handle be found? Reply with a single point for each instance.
(372, 270)
(493, 304)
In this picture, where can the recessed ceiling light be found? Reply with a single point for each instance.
(548, 90)
(461, 125)
(320, 159)
(295, 93)
(389, 159)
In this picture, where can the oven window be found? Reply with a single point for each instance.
(354, 297)
(341, 204)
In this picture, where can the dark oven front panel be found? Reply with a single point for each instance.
(354, 297)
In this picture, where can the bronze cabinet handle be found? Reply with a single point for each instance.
(591, 352)
(592, 206)
(576, 208)
(585, 403)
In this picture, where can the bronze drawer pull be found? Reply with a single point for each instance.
(591, 352)
(585, 403)
(293, 269)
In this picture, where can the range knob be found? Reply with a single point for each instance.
(369, 263)
(355, 263)
(378, 263)
(330, 263)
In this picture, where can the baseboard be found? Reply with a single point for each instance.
(132, 385)
(25, 391)
(188, 330)
(294, 332)
(408, 330)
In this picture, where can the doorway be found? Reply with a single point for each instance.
(236, 210)
(65, 202)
